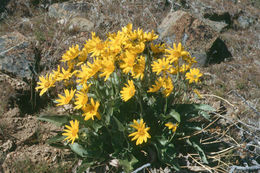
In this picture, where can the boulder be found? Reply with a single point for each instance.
(216, 26)
(68, 9)
(73, 14)
(15, 55)
(81, 24)
(200, 39)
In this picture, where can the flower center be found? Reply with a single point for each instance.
(67, 100)
(74, 132)
(141, 132)
(47, 84)
(132, 92)
(99, 46)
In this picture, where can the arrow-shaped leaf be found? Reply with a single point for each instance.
(58, 120)
(175, 115)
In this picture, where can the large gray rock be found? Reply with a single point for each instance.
(200, 39)
(15, 55)
(68, 9)
(73, 14)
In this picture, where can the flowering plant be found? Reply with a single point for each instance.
(130, 99)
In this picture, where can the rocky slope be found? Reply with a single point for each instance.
(224, 36)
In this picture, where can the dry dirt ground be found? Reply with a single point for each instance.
(232, 87)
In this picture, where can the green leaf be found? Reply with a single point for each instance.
(204, 107)
(58, 120)
(83, 167)
(175, 115)
(127, 164)
(96, 126)
(194, 127)
(55, 139)
(120, 126)
(79, 149)
(58, 145)
(162, 140)
(205, 115)
(94, 151)
(200, 152)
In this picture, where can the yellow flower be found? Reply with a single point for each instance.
(81, 100)
(176, 53)
(83, 74)
(165, 84)
(157, 86)
(150, 36)
(128, 91)
(163, 65)
(127, 29)
(83, 55)
(197, 93)
(91, 110)
(172, 126)
(71, 54)
(72, 131)
(94, 67)
(142, 133)
(45, 83)
(116, 42)
(158, 48)
(136, 36)
(136, 48)
(108, 68)
(185, 68)
(95, 45)
(138, 71)
(63, 100)
(128, 62)
(193, 75)
(56, 73)
(64, 75)
(167, 87)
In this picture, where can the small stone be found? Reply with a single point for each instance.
(217, 26)
(8, 146)
(244, 21)
(114, 162)
(81, 24)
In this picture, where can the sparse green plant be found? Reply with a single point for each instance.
(130, 96)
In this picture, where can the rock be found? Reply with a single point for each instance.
(202, 41)
(21, 7)
(244, 21)
(81, 24)
(15, 112)
(8, 146)
(26, 24)
(68, 9)
(15, 83)
(221, 16)
(22, 130)
(217, 26)
(15, 57)
(33, 155)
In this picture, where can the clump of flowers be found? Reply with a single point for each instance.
(123, 89)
